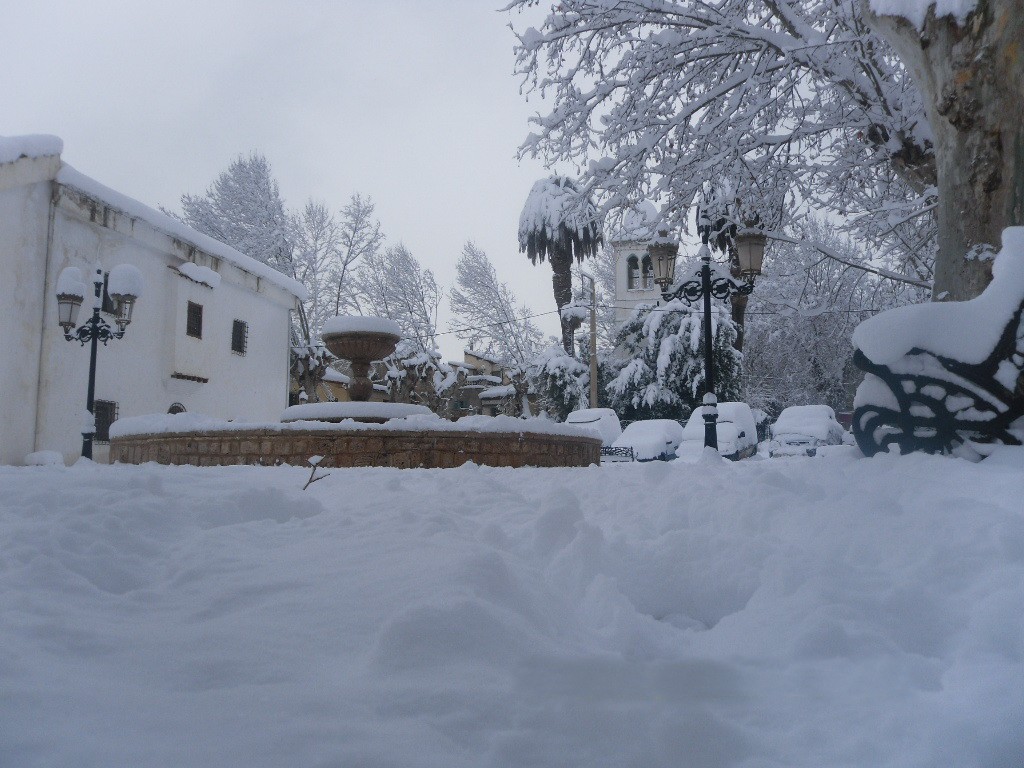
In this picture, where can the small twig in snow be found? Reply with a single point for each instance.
(314, 462)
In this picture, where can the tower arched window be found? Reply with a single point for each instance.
(647, 278)
(632, 273)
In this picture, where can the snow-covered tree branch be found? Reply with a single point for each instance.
(652, 98)
(393, 284)
(486, 313)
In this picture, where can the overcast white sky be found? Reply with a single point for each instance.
(412, 102)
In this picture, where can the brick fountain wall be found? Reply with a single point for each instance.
(358, 448)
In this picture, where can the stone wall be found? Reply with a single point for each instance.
(359, 448)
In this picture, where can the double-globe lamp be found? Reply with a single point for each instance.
(750, 246)
(124, 286)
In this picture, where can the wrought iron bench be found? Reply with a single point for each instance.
(617, 454)
(929, 402)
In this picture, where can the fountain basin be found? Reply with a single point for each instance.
(361, 341)
(498, 441)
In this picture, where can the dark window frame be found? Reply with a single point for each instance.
(647, 273)
(632, 273)
(239, 337)
(194, 320)
(105, 413)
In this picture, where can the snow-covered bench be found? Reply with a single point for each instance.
(946, 377)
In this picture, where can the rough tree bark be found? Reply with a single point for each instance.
(561, 283)
(972, 79)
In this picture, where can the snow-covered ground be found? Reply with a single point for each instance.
(802, 612)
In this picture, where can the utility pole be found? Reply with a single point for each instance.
(593, 339)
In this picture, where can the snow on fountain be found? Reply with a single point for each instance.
(357, 433)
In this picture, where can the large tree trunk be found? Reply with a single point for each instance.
(561, 282)
(972, 80)
(738, 301)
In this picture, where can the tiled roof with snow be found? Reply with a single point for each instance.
(178, 230)
(483, 378)
(495, 393)
(482, 356)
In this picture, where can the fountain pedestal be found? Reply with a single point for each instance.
(361, 349)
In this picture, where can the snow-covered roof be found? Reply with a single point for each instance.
(482, 356)
(16, 147)
(178, 230)
(497, 393)
(638, 223)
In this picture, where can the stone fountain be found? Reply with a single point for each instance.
(362, 341)
(359, 433)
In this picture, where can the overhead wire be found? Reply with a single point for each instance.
(813, 313)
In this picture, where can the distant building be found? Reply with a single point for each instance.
(634, 272)
(487, 387)
(209, 334)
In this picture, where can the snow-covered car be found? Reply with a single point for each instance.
(650, 439)
(603, 420)
(736, 429)
(801, 430)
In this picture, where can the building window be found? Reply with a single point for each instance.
(632, 273)
(239, 336)
(176, 408)
(194, 321)
(105, 413)
(648, 273)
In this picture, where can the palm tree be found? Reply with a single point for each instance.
(559, 223)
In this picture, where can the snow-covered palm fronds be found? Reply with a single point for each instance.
(558, 221)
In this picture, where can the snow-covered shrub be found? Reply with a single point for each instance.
(560, 381)
(661, 368)
(412, 374)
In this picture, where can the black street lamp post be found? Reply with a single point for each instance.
(663, 252)
(124, 289)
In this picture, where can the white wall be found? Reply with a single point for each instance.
(627, 298)
(24, 207)
(136, 371)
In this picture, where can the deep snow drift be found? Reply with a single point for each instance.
(803, 612)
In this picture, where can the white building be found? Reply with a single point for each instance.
(213, 340)
(634, 272)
